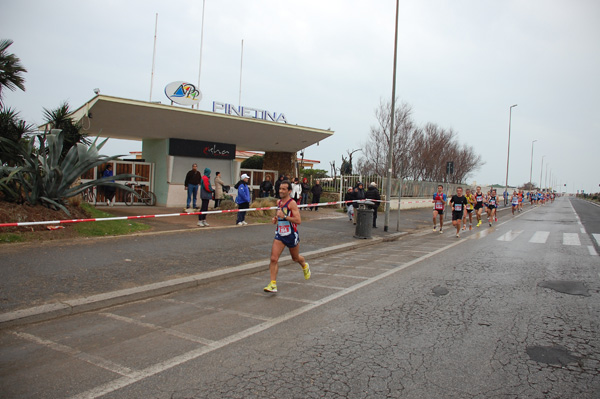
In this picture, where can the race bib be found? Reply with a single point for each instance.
(284, 228)
(492, 202)
(458, 207)
(515, 201)
(439, 206)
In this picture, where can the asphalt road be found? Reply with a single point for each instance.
(35, 274)
(508, 311)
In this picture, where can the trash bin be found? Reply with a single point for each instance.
(364, 222)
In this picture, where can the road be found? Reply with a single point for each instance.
(508, 311)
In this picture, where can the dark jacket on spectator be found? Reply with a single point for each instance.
(373, 194)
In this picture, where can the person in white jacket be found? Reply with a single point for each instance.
(296, 191)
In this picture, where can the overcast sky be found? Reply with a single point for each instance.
(328, 63)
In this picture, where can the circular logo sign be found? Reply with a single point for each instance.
(183, 93)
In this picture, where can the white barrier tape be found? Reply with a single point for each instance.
(68, 221)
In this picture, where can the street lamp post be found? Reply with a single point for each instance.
(508, 152)
(541, 171)
(531, 167)
(388, 189)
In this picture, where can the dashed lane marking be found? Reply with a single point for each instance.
(540, 237)
(592, 250)
(510, 235)
(571, 239)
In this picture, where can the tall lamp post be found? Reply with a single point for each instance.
(508, 152)
(531, 167)
(388, 189)
(541, 171)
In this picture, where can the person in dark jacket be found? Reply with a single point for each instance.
(206, 194)
(109, 191)
(242, 199)
(192, 181)
(373, 194)
(348, 198)
(277, 184)
(266, 187)
(359, 194)
(305, 190)
(316, 191)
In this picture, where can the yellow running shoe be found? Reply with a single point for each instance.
(306, 270)
(479, 223)
(272, 287)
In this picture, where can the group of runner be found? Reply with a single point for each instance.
(476, 203)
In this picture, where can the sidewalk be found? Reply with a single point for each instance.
(75, 277)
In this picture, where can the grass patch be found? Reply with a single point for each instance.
(11, 237)
(111, 227)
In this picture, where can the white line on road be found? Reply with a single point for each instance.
(571, 239)
(597, 238)
(510, 235)
(582, 230)
(86, 357)
(169, 331)
(124, 381)
(540, 237)
(592, 250)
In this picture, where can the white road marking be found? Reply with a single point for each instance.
(510, 235)
(540, 237)
(127, 380)
(592, 250)
(582, 230)
(169, 331)
(571, 239)
(597, 238)
(86, 357)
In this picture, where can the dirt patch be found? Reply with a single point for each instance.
(15, 213)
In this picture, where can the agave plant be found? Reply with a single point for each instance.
(46, 178)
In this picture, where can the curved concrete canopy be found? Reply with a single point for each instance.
(122, 118)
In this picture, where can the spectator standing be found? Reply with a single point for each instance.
(242, 199)
(316, 191)
(373, 194)
(359, 194)
(277, 184)
(192, 181)
(266, 187)
(219, 183)
(305, 191)
(349, 198)
(109, 191)
(296, 191)
(206, 193)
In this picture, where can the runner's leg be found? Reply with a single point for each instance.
(276, 251)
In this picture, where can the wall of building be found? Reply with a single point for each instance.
(155, 150)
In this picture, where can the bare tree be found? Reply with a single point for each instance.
(419, 153)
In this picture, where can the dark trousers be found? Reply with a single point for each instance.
(375, 217)
(217, 202)
(203, 208)
(315, 200)
(242, 215)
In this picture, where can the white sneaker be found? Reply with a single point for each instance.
(244, 222)
(240, 224)
(200, 223)
(206, 224)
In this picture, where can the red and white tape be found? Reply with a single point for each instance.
(163, 215)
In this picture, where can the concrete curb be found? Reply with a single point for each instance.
(100, 301)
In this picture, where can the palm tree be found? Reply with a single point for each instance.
(11, 69)
(12, 128)
(59, 119)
